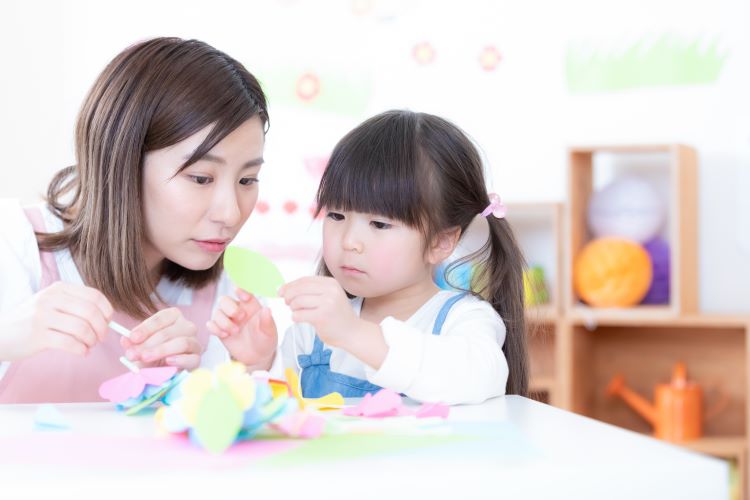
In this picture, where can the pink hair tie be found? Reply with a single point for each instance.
(495, 207)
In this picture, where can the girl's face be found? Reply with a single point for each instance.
(373, 256)
(191, 217)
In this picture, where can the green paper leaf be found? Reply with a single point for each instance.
(218, 420)
(252, 271)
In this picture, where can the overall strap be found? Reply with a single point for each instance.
(444, 312)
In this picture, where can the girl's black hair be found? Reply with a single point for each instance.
(424, 171)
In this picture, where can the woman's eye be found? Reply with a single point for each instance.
(380, 225)
(335, 216)
(248, 181)
(201, 179)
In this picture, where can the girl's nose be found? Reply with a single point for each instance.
(351, 241)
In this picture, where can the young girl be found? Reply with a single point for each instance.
(169, 143)
(399, 192)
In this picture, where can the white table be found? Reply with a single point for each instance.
(509, 447)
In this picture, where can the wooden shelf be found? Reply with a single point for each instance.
(733, 447)
(677, 169)
(575, 350)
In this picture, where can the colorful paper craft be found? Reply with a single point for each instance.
(134, 391)
(220, 407)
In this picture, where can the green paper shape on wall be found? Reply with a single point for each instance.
(665, 61)
(218, 419)
(252, 272)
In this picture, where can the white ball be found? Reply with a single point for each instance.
(628, 208)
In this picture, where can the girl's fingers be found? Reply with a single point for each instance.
(305, 316)
(73, 326)
(63, 342)
(304, 302)
(184, 361)
(172, 347)
(309, 285)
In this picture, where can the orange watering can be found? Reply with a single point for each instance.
(677, 412)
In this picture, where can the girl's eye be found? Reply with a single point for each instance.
(335, 216)
(201, 179)
(380, 225)
(248, 181)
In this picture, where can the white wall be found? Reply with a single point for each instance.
(522, 113)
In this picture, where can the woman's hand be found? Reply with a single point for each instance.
(166, 338)
(321, 301)
(63, 316)
(246, 329)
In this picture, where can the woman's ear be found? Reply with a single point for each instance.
(443, 245)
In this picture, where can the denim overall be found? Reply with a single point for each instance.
(317, 379)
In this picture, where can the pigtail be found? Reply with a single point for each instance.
(497, 277)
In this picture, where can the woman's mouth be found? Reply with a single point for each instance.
(213, 246)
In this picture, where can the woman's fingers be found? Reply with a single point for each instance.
(174, 346)
(88, 294)
(225, 324)
(72, 325)
(184, 361)
(64, 342)
(154, 324)
(231, 308)
(86, 311)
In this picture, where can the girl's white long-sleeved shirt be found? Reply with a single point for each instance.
(464, 364)
(21, 272)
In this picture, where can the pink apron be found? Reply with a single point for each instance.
(54, 376)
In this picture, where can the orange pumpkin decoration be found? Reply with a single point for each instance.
(612, 272)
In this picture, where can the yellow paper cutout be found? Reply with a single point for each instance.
(332, 401)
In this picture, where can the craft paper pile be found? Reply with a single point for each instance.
(134, 391)
(217, 408)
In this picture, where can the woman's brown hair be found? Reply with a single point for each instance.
(423, 170)
(152, 95)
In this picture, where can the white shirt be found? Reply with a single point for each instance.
(464, 364)
(21, 272)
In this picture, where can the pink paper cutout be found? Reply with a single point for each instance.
(433, 410)
(301, 424)
(386, 403)
(129, 384)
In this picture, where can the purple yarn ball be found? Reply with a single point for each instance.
(658, 293)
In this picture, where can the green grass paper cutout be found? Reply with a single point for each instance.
(664, 61)
(218, 419)
(252, 271)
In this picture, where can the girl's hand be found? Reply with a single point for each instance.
(164, 339)
(63, 316)
(246, 329)
(321, 301)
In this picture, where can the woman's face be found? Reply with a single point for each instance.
(191, 217)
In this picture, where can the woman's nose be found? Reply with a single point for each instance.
(226, 208)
